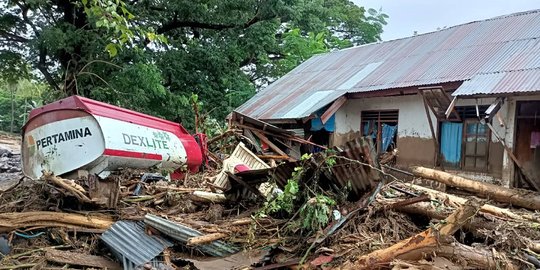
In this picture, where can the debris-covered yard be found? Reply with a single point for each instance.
(262, 206)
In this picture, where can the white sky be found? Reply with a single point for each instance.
(407, 16)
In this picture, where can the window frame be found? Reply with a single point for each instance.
(475, 156)
(378, 139)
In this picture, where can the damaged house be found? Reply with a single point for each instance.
(465, 98)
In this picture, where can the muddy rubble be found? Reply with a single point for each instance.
(336, 209)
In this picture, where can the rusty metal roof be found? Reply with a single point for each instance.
(471, 51)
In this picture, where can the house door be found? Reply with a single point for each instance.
(527, 143)
(451, 137)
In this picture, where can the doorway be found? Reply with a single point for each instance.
(527, 140)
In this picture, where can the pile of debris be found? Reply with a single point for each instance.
(258, 205)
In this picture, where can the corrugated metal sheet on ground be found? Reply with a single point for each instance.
(183, 233)
(459, 53)
(130, 243)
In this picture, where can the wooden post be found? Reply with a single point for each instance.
(433, 135)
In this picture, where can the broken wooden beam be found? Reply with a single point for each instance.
(209, 197)
(333, 109)
(272, 146)
(518, 197)
(205, 239)
(414, 248)
(75, 258)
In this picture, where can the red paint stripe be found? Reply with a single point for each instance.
(130, 154)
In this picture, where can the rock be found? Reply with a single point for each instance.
(4, 246)
(5, 152)
(13, 170)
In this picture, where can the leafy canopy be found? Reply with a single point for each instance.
(153, 55)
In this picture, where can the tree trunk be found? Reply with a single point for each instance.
(477, 258)
(12, 221)
(457, 201)
(12, 88)
(520, 197)
(414, 248)
(477, 226)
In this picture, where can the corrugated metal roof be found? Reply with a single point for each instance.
(460, 53)
(501, 82)
(183, 233)
(130, 243)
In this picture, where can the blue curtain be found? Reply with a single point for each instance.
(451, 142)
(388, 133)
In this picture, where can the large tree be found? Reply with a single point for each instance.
(221, 50)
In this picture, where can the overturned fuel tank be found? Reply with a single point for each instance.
(78, 133)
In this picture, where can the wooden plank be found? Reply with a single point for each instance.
(333, 109)
(270, 144)
(75, 258)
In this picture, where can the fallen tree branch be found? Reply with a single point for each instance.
(520, 197)
(477, 226)
(414, 248)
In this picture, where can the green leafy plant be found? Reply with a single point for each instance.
(284, 201)
(315, 213)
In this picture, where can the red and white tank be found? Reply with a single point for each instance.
(78, 133)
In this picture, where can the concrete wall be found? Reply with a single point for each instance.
(414, 140)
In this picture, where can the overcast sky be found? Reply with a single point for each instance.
(407, 16)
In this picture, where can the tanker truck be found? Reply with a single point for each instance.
(78, 134)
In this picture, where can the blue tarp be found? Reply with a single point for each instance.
(451, 134)
(365, 132)
(316, 123)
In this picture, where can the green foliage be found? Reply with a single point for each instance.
(16, 101)
(315, 214)
(284, 201)
(115, 18)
